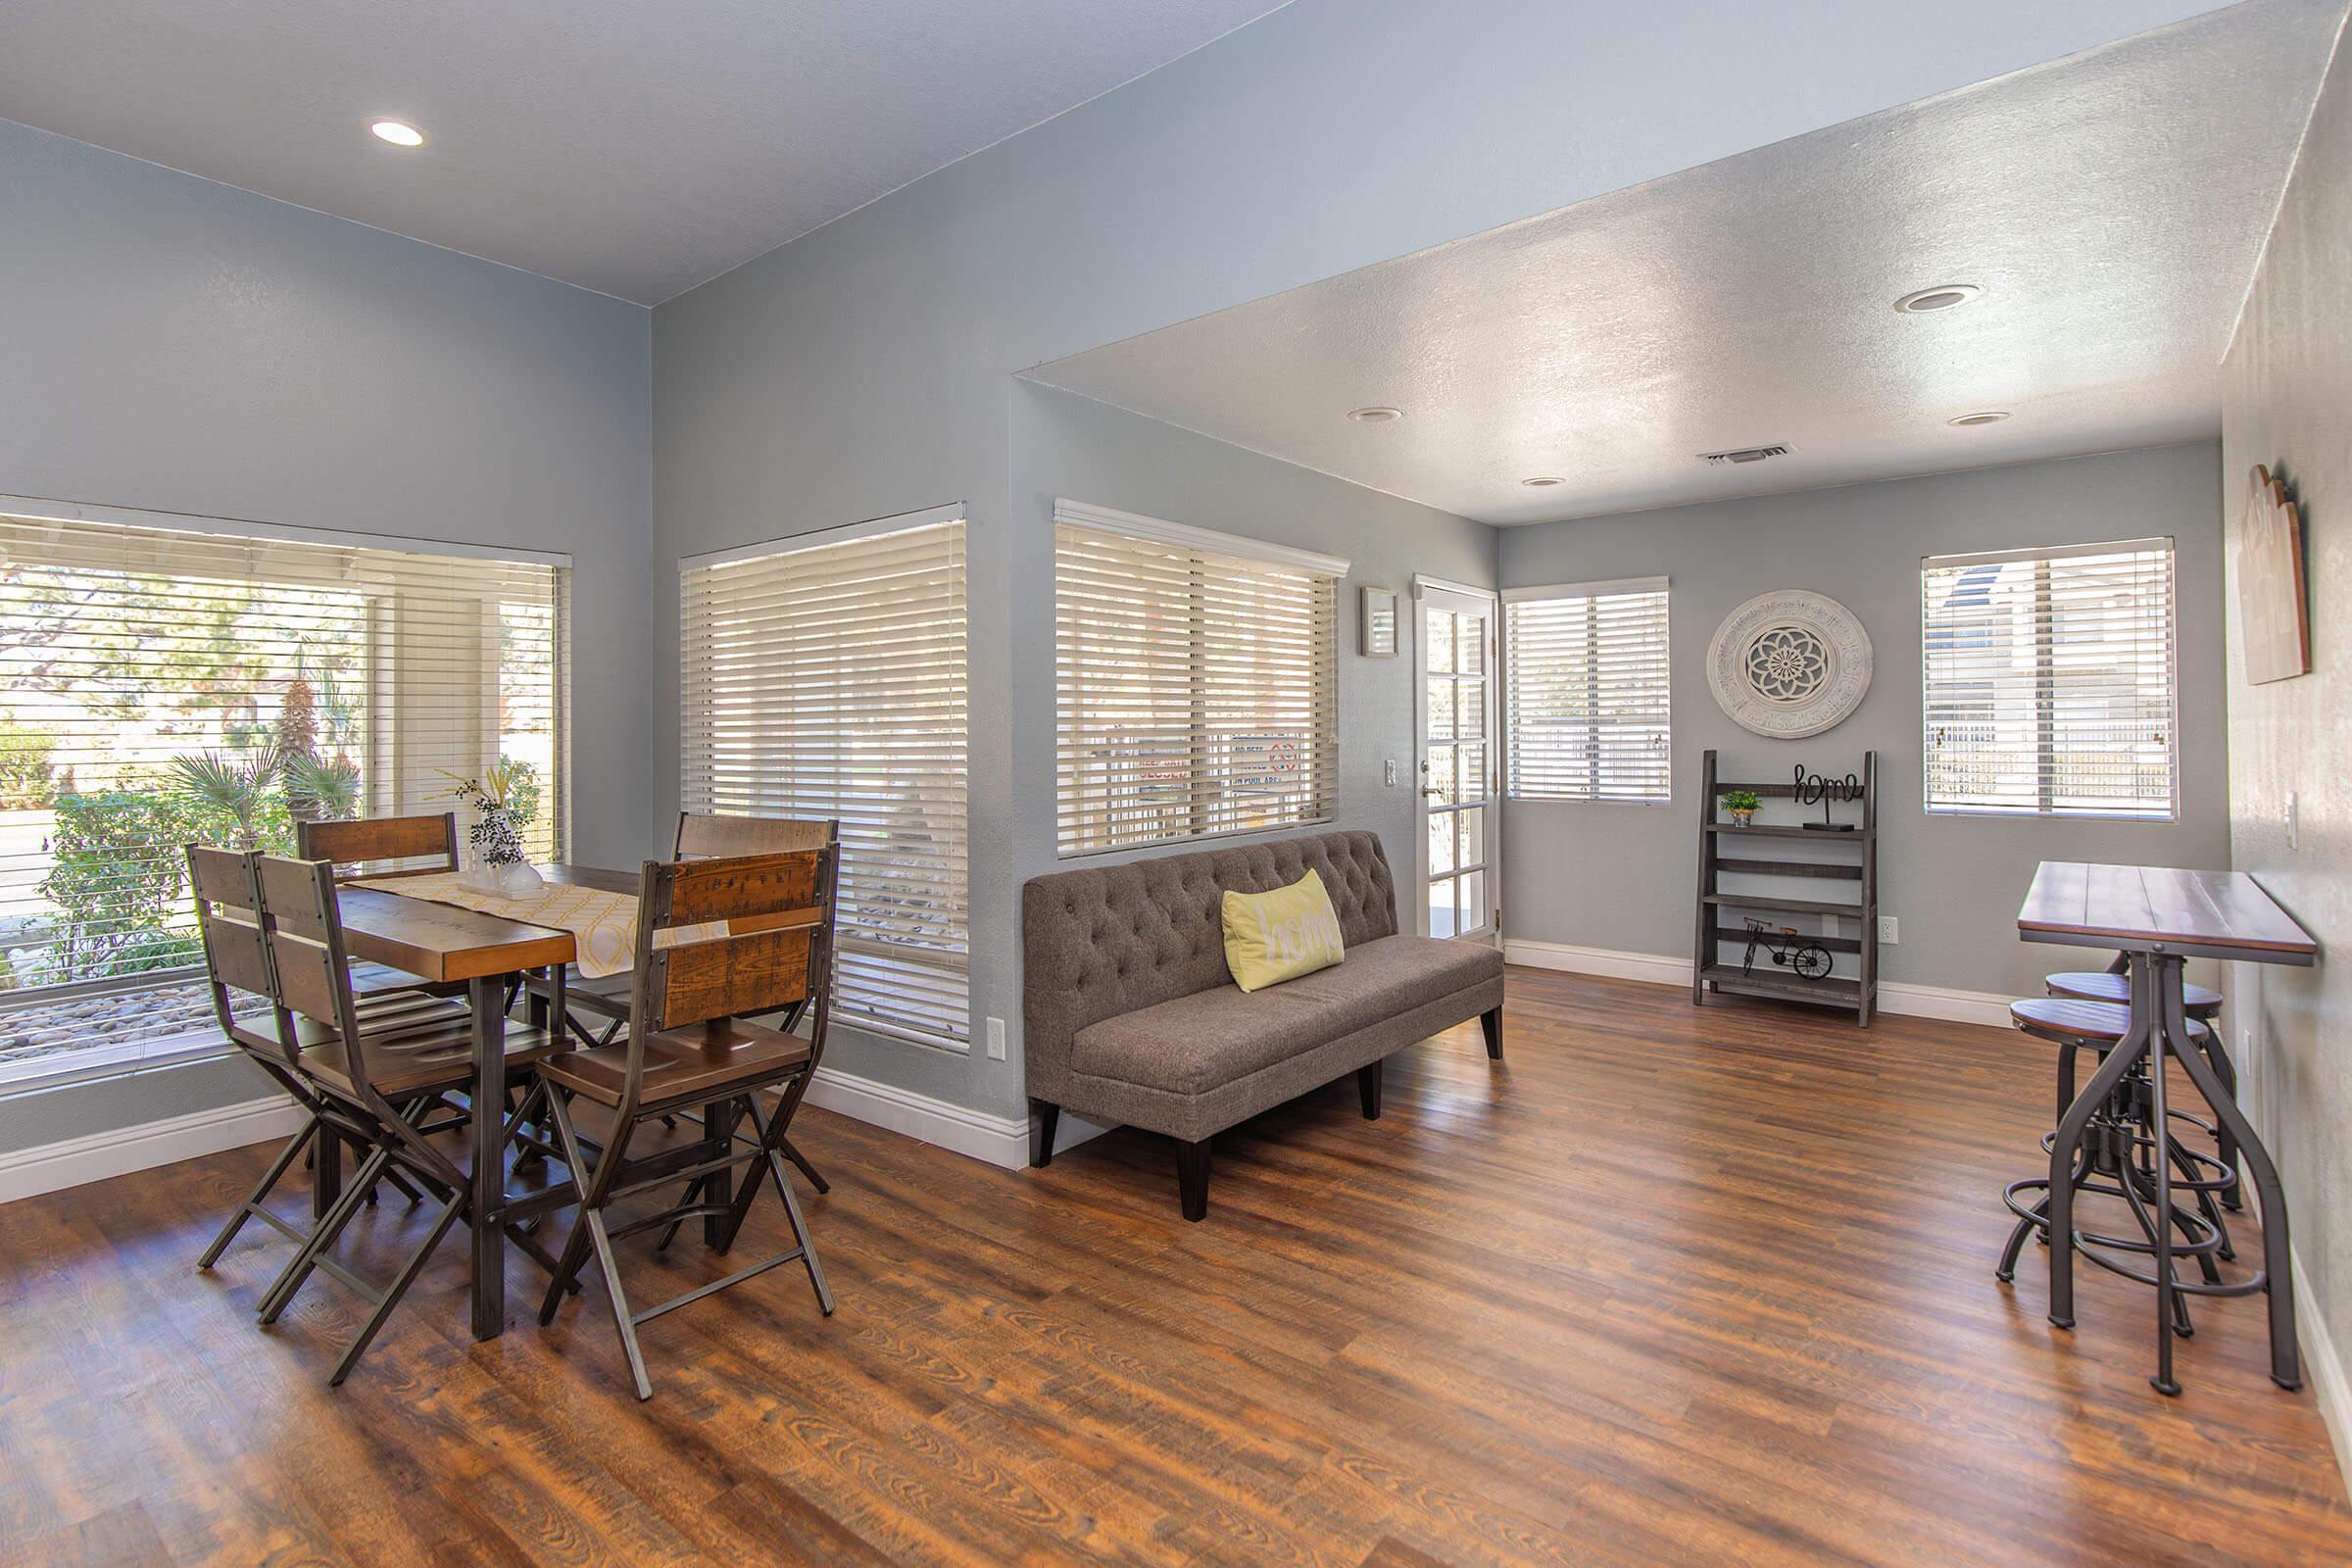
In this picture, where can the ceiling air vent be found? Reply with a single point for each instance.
(1744, 454)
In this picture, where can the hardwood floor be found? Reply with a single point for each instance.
(1668, 1285)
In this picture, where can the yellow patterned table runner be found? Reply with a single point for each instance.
(605, 924)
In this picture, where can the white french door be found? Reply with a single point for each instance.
(1455, 702)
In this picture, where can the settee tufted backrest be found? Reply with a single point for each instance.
(1113, 938)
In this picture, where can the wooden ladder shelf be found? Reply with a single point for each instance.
(1724, 851)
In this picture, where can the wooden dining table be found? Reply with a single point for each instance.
(487, 953)
(2157, 917)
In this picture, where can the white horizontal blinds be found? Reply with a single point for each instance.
(2048, 680)
(827, 680)
(163, 685)
(1197, 691)
(1591, 710)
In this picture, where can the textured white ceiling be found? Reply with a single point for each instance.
(2111, 205)
(638, 147)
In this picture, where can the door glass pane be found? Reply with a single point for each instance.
(1440, 775)
(1473, 756)
(1440, 843)
(1441, 641)
(1470, 641)
(1441, 907)
(1474, 835)
(1470, 706)
(1441, 707)
(1474, 900)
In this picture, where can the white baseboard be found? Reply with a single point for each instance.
(1987, 1008)
(1666, 970)
(52, 1167)
(1002, 1141)
(1657, 968)
(2322, 1368)
(998, 1139)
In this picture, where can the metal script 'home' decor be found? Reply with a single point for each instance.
(1790, 664)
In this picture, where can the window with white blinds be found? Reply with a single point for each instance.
(1586, 682)
(827, 679)
(1197, 682)
(168, 680)
(2048, 681)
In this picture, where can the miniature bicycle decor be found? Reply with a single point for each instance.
(1789, 949)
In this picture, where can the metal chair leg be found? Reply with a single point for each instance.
(575, 1245)
(792, 1206)
(591, 1224)
(299, 1144)
(793, 1153)
(669, 1233)
(622, 1317)
(399, 1288)
(305, 1258)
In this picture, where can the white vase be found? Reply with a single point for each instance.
(516, 879)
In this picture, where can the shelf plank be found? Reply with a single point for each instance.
(1747, 901)
(1776, 831)
(1838, 991)
(1845, 870)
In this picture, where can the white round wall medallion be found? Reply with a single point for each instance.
(1790, 664)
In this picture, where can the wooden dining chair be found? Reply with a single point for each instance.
(765, 943)
(704, 836)
(381, 845)
(415, 1053)
(236, 971)
(708, 836)
(384, 846)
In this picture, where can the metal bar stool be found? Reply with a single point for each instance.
(2202, 1004)
(2117, 1157)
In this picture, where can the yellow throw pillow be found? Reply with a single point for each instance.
(1277, 936)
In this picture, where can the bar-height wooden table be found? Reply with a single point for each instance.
(442, 943)
(2159, 917)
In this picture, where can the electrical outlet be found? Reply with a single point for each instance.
(1388, 773)
(2286, 819)
(1890, 932)
(996, 1040)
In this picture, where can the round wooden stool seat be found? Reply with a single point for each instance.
(2090, 1022)
(2202, 1002)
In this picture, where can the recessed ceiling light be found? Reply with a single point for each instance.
(1544, 481)
(1375, 415)
(1988, 417)
(1942, 297)
(399, 132)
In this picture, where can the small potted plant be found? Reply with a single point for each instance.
(504, 798)
(1741, 804)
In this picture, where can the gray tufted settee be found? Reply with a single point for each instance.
(1131, 1017)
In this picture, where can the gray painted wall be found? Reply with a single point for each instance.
(864, 369)
(181, 346)
(2287, 402)
(1622, 877)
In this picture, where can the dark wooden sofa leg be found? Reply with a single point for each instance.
(1041, 1132)
(1367, 1089)
(1191, 1178)
(1490, 1020)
